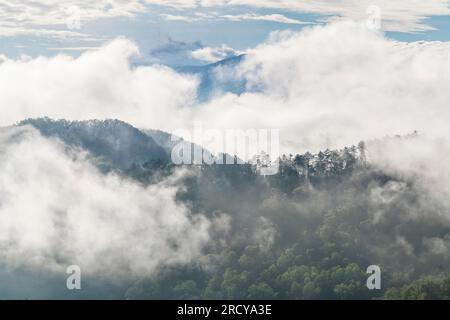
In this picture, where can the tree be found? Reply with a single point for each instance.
(234, 283)
(187, 290)
(261, 291)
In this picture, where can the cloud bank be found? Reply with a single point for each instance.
(45, 18)
(324, 87)
(399, 15)
(327, 86)
(100, 84)
(57, 210)
(20, 17)
(268, 17)
(278, 18)
(216, 54)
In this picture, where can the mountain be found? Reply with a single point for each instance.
(229, 62)
(175, 52)
(210, 82)
(168, 141)
(163, 139)
(308, 232)
(112, 141)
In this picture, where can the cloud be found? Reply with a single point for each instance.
(175, 53)
(57, 210)
(73, 48)
(19, 17)
(421, 159)
(212, 55)
(53, 12)
(269, 17)
(330, 86)
(99, 84)
(399, 15)
(171, 17)
(25, 17)
(176, 47)
(56, 34)
(279, 18)
(323, 87)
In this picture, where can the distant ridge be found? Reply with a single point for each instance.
(113, 141)
(210, 83)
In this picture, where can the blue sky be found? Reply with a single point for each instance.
(32, 29)
(151, 31)
(441, 24)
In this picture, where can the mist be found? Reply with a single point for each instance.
(58, 210)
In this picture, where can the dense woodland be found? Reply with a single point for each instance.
(308, 232)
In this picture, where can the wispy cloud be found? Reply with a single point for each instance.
(72, 48)
(400, 15)
(209, 54)
(326, 86)
(58, 210)
(279, 18)
(60, 18)
(39, 32)
(171, 17)
(270, 17)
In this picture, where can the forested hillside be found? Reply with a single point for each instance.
(308, 232)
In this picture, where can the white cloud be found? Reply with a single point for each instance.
(237, 17)
(99, 84)
(332, 86)
(57, 12)
(59, 49)
(211, 55)
(398, 15)
(421, 159)
(324, 87)
(58, 210)
(51, 18)
(18, 16)
(171, 17)
(269, 17)
(56, 34)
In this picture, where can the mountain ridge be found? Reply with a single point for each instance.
(112, 140)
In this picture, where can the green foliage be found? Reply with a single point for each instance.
(187, 290)
(261, 291)
(309, 232)
(423, 289)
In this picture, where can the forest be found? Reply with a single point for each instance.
(308, 232)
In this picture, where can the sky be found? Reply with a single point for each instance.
(325, 73)
(49, 27)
